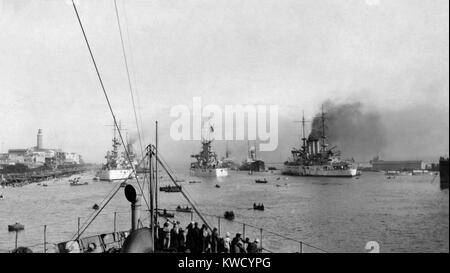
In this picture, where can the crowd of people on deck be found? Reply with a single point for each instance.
(172, 237)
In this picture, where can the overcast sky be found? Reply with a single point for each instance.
(392, 56)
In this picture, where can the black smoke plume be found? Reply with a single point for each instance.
(355, 132)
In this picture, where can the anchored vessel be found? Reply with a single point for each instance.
(207, 163)
(252, 163)
(310, 160)
(118, 165)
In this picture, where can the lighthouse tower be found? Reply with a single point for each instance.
(39, 145)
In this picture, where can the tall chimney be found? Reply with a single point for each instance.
(39, 140)
(316, 146)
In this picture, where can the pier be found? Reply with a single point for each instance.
(21, 179)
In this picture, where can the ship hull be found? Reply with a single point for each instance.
(319, 171)
(217, 172)
(256, 166)
(114, 175)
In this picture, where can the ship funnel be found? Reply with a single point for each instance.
(311, 147)
(316, 146)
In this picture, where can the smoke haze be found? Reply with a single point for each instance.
(355, 131)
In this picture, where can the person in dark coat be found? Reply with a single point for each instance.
(181, 240)
(234, 242)
(239, 247)
(190, 237)
(215, 241)
(252, 247)
(196, 239)
(174, 237)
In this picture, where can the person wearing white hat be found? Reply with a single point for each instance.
(227, 242)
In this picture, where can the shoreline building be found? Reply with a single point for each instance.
(39, 156)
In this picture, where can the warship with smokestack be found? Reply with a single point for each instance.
(118, 164)
(314, 160)
(207, 163)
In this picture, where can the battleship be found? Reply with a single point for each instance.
(310, 160)
(252, 163)
(118, 165)
(207, 163)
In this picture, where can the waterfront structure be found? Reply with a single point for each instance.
(38, 155)
(399, 165)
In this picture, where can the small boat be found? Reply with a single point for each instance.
(185, 209)
(261, 181)
(78, 183)
(229, 215)
(165, 214)
(195, 181)
(170, 188)
(16, 227)
(96, 178)
(95, 206)
(2, 197)
(258, 207)
(217, 186)
(75, 180)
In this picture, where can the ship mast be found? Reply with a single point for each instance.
(303, 133)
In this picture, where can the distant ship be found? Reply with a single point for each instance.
(310, 160)
(207, 163)
(252, 164)
(117, 166)
(229, 162)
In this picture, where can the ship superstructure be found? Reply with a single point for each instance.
(118, 165)
(314, 158)
(207, 163)
(252, 163)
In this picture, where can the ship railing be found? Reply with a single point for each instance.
(51, 234)
(270, 241)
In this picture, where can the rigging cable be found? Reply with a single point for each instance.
(133, 74)
(107, 100)
(128, 75)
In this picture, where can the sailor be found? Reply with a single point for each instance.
(227, 243)
(166, 235)
(258, 247)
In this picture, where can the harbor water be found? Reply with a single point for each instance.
(405, 214)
